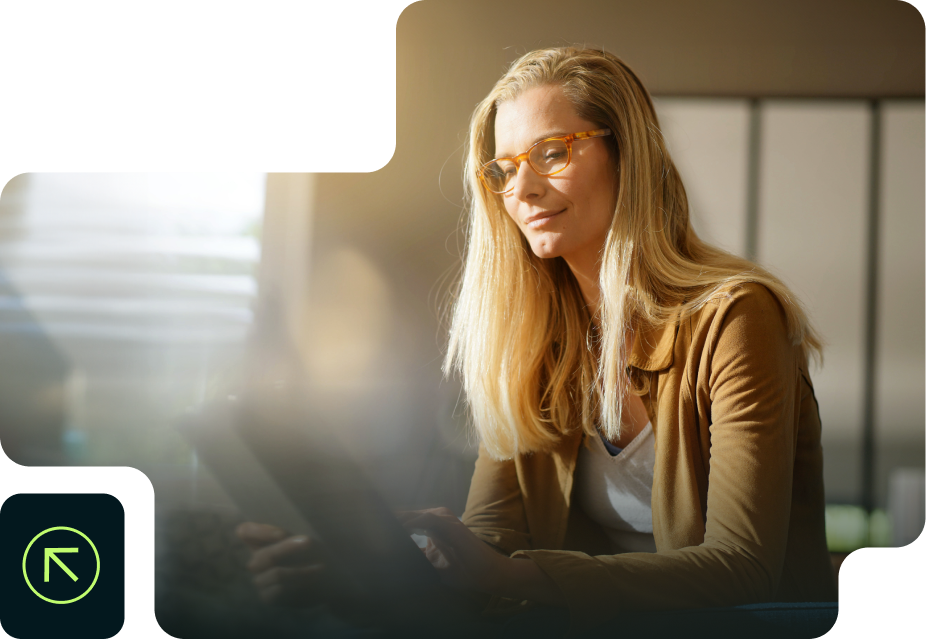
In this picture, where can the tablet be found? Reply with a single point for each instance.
(212, 433)
(282, 466)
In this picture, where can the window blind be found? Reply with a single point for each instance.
(125, 297)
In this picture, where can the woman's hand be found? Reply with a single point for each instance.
(286, 568)
(466, 562)
(463, 560)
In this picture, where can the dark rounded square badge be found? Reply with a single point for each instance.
(63, 563)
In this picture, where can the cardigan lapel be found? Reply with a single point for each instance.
(546, 482)
(653, 347)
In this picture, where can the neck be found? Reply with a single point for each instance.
(586, 273)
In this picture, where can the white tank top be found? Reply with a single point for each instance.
(616, 491)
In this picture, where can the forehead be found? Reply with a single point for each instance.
(535, 114)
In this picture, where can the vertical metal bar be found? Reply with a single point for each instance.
(752, 180)
(871, 310)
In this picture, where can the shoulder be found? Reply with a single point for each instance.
(745, 296)
(743, 319)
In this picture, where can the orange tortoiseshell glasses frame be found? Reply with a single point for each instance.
(567, 139)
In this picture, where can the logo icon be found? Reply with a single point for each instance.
(51, 554)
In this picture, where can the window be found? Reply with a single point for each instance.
(123, 299)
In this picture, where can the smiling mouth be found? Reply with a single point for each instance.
(537, 221)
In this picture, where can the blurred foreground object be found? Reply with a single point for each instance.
(907, 504)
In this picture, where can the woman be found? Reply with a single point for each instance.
(590, 320)
(589, 308)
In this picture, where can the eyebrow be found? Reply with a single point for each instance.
(550, 134)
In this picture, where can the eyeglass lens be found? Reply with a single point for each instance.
(546, 158)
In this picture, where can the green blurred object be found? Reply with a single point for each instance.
(849, 528)
(880, 529)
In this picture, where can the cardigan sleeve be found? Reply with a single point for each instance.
(495, 513)
(754, 393)
(494, 507)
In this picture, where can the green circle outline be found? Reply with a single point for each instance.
(95, 577)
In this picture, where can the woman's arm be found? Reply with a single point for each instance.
(494, 508)
(525, 580)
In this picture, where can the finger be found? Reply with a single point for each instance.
(449, 538)
(439, 522)
(406, 515)
(258, 531)
(437, 558)
(433, 522)
(290, 551)
(287, 552)
(403, 515)
(259, 535)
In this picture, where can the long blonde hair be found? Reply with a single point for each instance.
(521, 336)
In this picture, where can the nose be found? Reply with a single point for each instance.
(527, 184)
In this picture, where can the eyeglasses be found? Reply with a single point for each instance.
(547, 157)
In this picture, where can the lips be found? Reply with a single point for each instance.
(539, 219)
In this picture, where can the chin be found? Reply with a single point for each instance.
(546, 250)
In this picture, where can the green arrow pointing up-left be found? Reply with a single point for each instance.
(50, 554)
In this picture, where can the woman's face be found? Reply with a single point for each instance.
(568, 214)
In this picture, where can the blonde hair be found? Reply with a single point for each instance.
(521, 336)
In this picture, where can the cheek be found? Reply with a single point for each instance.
(606, 212)
(601, 206)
